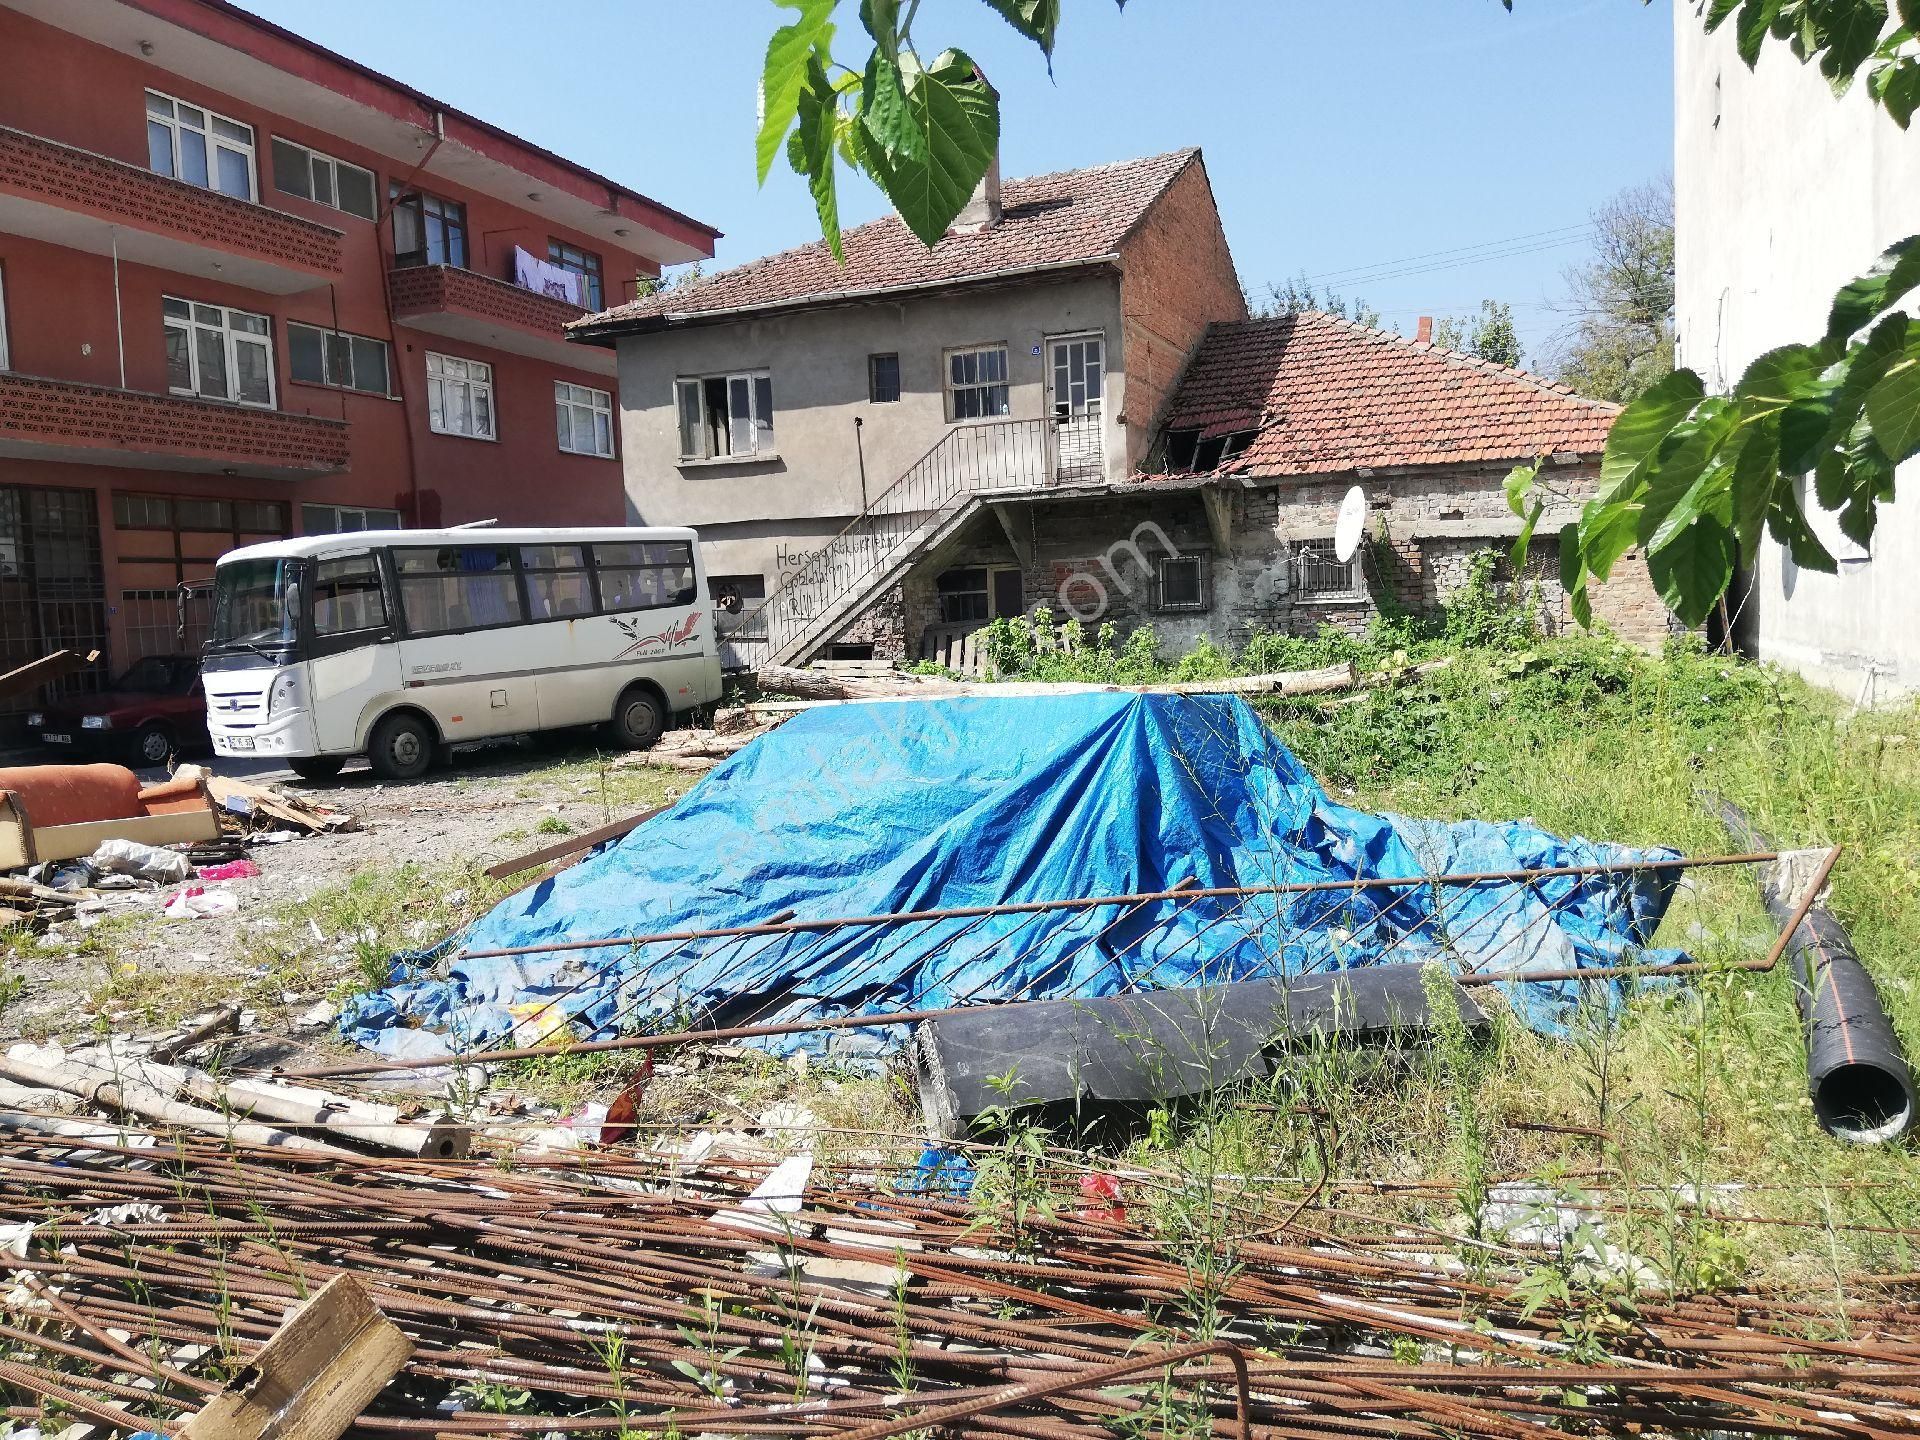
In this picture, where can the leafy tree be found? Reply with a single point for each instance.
(1622, 339)
(1691, 478)
(1290, 297)
(1489, 335)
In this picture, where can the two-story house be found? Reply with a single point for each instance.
(1063, 404)
(250, 288)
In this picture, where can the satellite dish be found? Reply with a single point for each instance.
(1351, 525)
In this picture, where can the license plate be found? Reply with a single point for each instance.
(240, 742)
(53, 739)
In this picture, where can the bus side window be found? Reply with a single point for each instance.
(558, 584)
(347, 596)
(457, 587)
(647, 576)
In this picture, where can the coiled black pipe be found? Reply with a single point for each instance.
(1857, 1074)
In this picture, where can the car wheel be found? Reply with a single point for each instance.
(638, 719)
(316, 767)
(153, 744)
(401, 748)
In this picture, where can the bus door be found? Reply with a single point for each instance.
(355, 662)
(468, 656)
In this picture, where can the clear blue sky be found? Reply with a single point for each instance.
(1340, 134)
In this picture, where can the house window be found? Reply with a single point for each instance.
(977, 593)
(459, 397)
(736, 594)
(645, 576)
(725, 415)
(1322, 573)
(583, 263)
(428, 230)
(1180, 583)
(883, 379)
(584, 418)
(218, 352)
(198, 146)
(458, 587)
(322, 179)
(977, 383)
(328, 357)
(343, 519)
(559, 583)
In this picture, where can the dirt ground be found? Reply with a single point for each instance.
(311, 924)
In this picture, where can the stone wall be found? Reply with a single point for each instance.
(1094, 559)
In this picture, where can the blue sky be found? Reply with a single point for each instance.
(1342, 135)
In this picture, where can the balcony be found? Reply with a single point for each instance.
(466, 305)
(63, 420)
(83, 201)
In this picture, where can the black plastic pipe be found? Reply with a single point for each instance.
(1857, 1074)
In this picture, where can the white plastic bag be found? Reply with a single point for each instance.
(148, 862)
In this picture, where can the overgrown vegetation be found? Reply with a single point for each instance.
(1686, 1088)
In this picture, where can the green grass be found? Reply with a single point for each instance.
(1695, 1085)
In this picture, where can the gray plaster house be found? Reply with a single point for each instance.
(1062, 404)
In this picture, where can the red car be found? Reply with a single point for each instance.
(153, 710)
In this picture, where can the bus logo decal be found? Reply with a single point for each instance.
(672, 638)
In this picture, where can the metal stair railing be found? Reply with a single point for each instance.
(998, 455)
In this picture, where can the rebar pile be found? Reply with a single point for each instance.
(609, 1292)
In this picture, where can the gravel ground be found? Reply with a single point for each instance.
(491, 804)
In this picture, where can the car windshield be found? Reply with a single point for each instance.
(159, 675)
(256, 603)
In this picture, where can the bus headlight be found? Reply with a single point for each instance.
(285, 694)
(95, 722)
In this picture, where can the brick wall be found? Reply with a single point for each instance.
(1176, 277)
(127, 195)
(62, 414)
(431, 289)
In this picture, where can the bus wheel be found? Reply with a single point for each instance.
(637, 719)
(316, 767)
(400, 748)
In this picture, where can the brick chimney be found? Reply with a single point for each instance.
(1424, 335)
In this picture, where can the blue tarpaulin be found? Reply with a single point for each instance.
(983, 801)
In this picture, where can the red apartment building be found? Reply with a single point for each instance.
(249, 288)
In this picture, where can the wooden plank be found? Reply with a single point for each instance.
(83, 837)
(31, 676)
(572, 845)
(322, 1367)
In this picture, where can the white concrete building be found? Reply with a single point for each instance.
(1783, 193)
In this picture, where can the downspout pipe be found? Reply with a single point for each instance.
(1857, 1073)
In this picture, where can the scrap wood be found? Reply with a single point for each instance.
(1282, 682)
(573, 846)
(30, 677)
(328, 1359)
(242, 801)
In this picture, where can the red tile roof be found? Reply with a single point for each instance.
(1326, 394)
(1075, 217)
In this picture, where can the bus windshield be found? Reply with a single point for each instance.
(256, 603)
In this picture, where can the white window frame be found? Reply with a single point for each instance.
(695, 425)
(982, 390)
(339, 512)
(582, 262)
(333, 165)
(569, 401)
(450, 375)
(1306, 552)
(174, 123)
(328, 353)
(233, 342)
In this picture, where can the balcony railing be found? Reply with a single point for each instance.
(87, 201)
(481, 310)
(65, 420)
(970, 459)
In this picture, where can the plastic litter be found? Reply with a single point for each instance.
(230, 870)
(198, 903)
(145, 862)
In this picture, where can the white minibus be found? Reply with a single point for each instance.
(400, 644)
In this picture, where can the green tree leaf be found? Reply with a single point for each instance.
(1606, 533)
(1683, 460)
(784, 74)
(1573, 574)
(1789, 527)
(1774, 379)
(1038, 20)
(1849, 32)
(1756, 471)
(1718, 12)
(1637, 433)
(1756, 19)
(1519, 485)
(884, 112)
(1893, 409)
(810, 149)
(957, 119)
(1524, 540)
(1694, 570)
(1896, 272)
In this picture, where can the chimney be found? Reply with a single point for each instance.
(982, 212)
(1424, 335)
